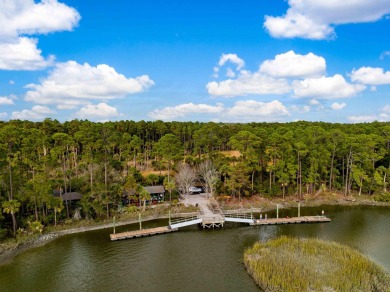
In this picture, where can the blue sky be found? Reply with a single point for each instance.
(223, 61)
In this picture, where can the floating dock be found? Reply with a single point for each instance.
(292, 220)
(142, 232)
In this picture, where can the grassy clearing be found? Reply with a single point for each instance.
(293, 264)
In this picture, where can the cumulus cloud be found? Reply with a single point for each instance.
(71, 84)
(233, 58)
(315, 19)
(99, 111)
(294, 65)
(37, 112)
(27, 17)
(386, 109)
(326, 88)
(371, 76)
(338, 106)
(383, 115)
(248, 83)
(6, 100)
(257, 111)
(20, 18)
(241, 111)
(300, 109)
(363, 118)
(183, 110)
(22, 54)
(230, 73)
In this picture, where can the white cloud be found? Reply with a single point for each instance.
(315, 19)
(248, 83)
(241, 111)
(371, 76)
(27, 17)
(233, 58)
(294, 65)
(338, 106)
(71, 84)
(362, 119)
(11, 82)
(314, 102)
(183, 110)
(326, 88)
(386, 109)
(6, 100)
(383, 115)
(230, 73)
(22, 54)
(300, 109)
(3, 116)
(19, 18)
(100, 111)
(296, 25)
(251, 110)
(37, 112)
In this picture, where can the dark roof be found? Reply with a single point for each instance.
(150, 189)
(155, 189)
(72, 196)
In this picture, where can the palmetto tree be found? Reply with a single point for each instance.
(11, 207)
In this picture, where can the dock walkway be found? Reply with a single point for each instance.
(211, 218)
(142, 232)
(292, 220)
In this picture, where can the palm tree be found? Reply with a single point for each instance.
(169, 185)
(11, 207)
(143, 195)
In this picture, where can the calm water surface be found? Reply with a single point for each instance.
(189, 260)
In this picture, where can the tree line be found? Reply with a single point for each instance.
(103, 160)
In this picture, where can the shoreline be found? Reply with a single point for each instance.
(7, 255)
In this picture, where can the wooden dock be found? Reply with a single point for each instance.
(142, 232)
(292, 220)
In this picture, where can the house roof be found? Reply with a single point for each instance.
(150, 189)
(72, 196)
(155, 189)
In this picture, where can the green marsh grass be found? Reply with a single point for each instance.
(293, 264)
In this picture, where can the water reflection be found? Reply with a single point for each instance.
(192, 259)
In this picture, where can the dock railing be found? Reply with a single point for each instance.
(185, 219)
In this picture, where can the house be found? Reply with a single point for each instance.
(69, 196)
(157, 195)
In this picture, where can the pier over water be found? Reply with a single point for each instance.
(210, 217)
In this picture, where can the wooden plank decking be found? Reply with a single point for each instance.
(142, 232)
(292, 220)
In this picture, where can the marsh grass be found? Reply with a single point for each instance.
(293, 264)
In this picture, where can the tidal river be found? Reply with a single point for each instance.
(189, 260)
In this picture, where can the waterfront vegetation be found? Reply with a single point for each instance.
(109, 163)
(303, 264)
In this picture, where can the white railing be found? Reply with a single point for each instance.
(182, 220)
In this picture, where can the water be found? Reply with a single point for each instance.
(189, 260)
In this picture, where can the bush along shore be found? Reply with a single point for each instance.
(296, 264)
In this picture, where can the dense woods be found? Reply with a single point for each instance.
(104, 160)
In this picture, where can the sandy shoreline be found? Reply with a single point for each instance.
(6, 256)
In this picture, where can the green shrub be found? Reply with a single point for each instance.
(384, 197)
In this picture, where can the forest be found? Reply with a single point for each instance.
(104, 161)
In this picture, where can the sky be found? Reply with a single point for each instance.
(195, 60)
